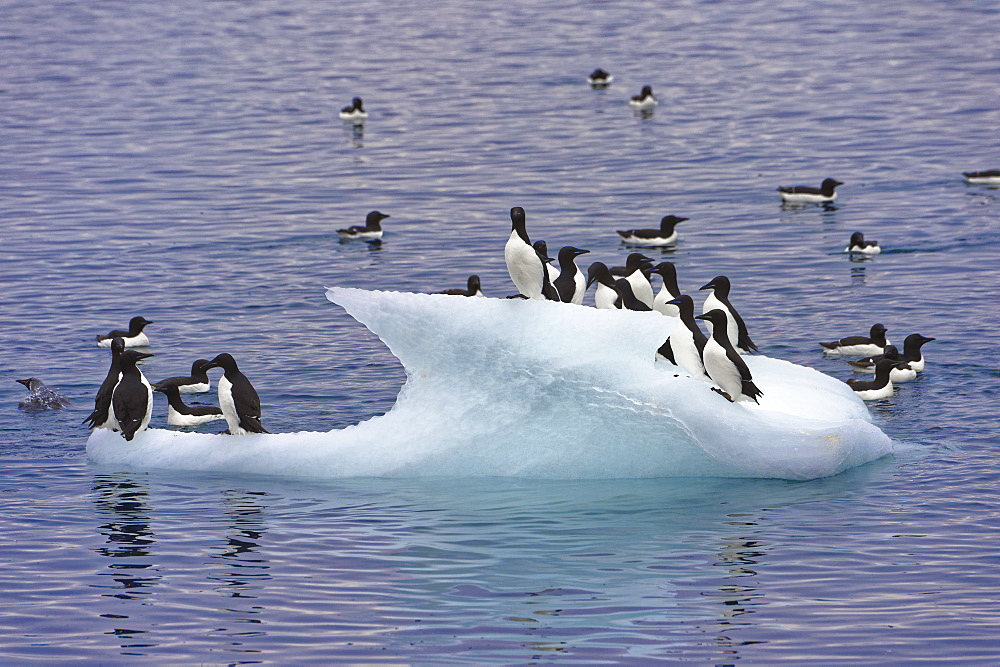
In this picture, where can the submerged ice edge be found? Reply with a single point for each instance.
(533, 389)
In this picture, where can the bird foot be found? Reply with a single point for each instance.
(723, 394)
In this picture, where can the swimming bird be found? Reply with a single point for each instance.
(736, 328)
(523, 264)
(134, 337)
(180, 414)
(473, 288)
(570, 284)
(665, 235)
(607, 293)
(635, 270)
(901, 372)
(354, 112)
(548, 290)
(810, 194)
(132, 398)
(627, 298)
(873, 343)
(880, 387)
(668, 290)
(687, 341)
(41, 397)
(196, 383)
(860, 245)
(912, 355)
(724, 364)
(237, 397)
(600, 79)
(644, 101)
(102, 416)
(987, 176)
(371, 230)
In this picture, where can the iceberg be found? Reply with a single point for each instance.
(536, 389)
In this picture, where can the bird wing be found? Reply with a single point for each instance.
(247, 405)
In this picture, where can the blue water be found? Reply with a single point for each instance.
(183, 161)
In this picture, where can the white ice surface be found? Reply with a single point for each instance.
(518, 388)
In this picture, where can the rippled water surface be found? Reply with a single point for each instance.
(184, 161)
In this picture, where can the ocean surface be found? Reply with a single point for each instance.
(184, 161)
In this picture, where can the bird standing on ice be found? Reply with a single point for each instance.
(132, 398)
(196, 383)
(134, 337)
(636, 267)
(237, 397)
(736, 329)
(665, 235)
(668, 291)
(858, 244)
(807, 194)
(570, 284)
(685, 346)
(523, 264)
(354, 112)
(724, 364)
(644, 101)
(606, 294)
(371, 231)
(872, 344)
(102, 417)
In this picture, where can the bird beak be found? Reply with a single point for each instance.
(26, 383)
(145, 355)
(701, 317)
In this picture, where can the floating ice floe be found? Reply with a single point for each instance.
(516, 388)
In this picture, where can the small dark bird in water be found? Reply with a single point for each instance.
(986, 176)
(134, 337)
(101, 417)
(237, 397)
(665, 235)
(371, 231)
(599, 78)
(41, 397)
(808, 194)
(474, 288)
(870, 345)
(355, 111)
(132, 399)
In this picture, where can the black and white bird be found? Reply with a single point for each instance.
(858, 244)
(41, 397)
(987, 176)
(636, 269)
(132, 398)
(902, 372)
(473, 288)
(668, 290)
(807, 194)
(196, 383)
(570, 284)
(523, 264)
(606, 294)
(102, 417)
(134, 337)
(354, 112)
(627, 298)
(644, 101)
(548, 289)
(665, 235)
(912, 354)
(600, 78)
(181, 414)
(880, 387)
(685, 346)
(736, 329)
(724, 364)
(371, 231)
(861, 346)
(237, 397)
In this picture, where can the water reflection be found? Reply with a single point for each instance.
(124, 504)
(857, 276)
(356, 134)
